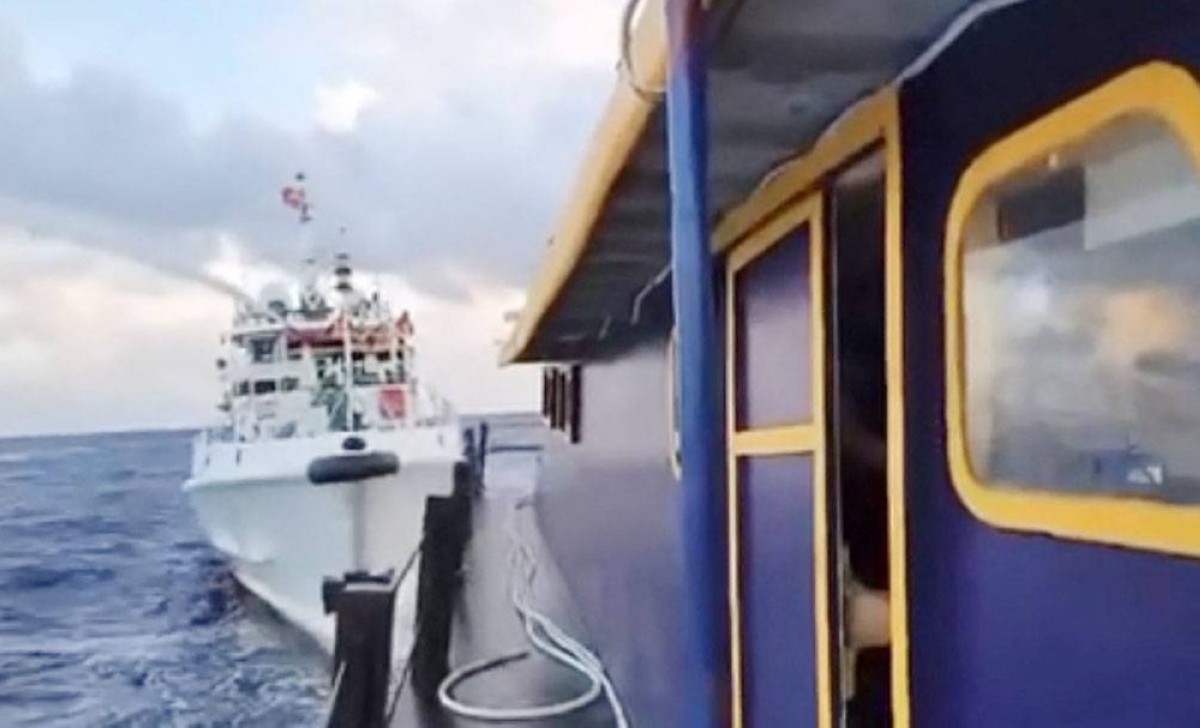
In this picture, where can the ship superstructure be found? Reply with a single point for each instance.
(284, 367)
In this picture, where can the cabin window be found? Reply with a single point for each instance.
(571, 426)
(562, 399)
(557, 394)
(547, 394)
(262, 351)
(364, 378)
(289, 384)
(264, 386)
(1080, 326)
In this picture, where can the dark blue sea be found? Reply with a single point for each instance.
(114, 611)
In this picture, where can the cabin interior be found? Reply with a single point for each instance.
(954, 281)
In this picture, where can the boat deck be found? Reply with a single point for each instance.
(486, 625)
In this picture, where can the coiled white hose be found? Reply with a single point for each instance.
(546, 636)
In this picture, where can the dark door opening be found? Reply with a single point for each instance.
(856, 388)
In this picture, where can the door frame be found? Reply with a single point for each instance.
(873, 121)
(803, 438)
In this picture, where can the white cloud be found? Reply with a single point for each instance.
(233, 271)
(458, 343)
(445, 134)
(464, 157)
(339, 106)
(94, 341)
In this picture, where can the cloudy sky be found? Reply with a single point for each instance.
(143, 144)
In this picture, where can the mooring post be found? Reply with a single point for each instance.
(701, 432)
(484, 430)
(446, 529)
(467, 485)
(469, 447)
(362, 654)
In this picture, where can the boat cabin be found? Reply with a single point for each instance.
(285, 371)
(870, 329)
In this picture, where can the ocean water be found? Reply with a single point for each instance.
(114, 611)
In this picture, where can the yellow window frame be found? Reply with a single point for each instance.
(801, 437)
(1172, 95)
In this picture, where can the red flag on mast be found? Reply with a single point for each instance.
(296, 197)
(293, 197)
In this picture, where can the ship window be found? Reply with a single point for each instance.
(574, 414)
(264, 386)
(289, 384)
(366, 378)
(547, 394)
(562, 400)
(557, 415)
(262, 351)
(1080, 328)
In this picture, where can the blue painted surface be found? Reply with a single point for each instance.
(702, 447)
(776, 523)
(608, 507)
(1016, 629)
(773, 326)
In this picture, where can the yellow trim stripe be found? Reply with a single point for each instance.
(1156, 89)
(775, 440)
(889, 121)
(821, 558)
(612, 144)
(733, 531)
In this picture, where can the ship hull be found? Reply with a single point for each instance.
(283, 533)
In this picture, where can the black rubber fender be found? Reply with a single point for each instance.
(352, 467)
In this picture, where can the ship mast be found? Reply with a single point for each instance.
(295, 196)
(341, 274)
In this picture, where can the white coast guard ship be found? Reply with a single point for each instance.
(329, 444)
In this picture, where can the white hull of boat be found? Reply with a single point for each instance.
(282, 534)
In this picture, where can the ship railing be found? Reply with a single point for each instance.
(209, 435)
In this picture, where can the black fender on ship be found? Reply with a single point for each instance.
(352, 466)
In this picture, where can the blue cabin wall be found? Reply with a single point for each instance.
(609, 508)
(1014, 629)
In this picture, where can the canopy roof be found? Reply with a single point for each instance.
(780, 73)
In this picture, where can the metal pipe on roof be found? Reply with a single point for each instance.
(702, 435)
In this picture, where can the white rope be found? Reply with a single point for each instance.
(547, 637)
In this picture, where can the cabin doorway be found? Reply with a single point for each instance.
(779, 561)
(856, 437)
